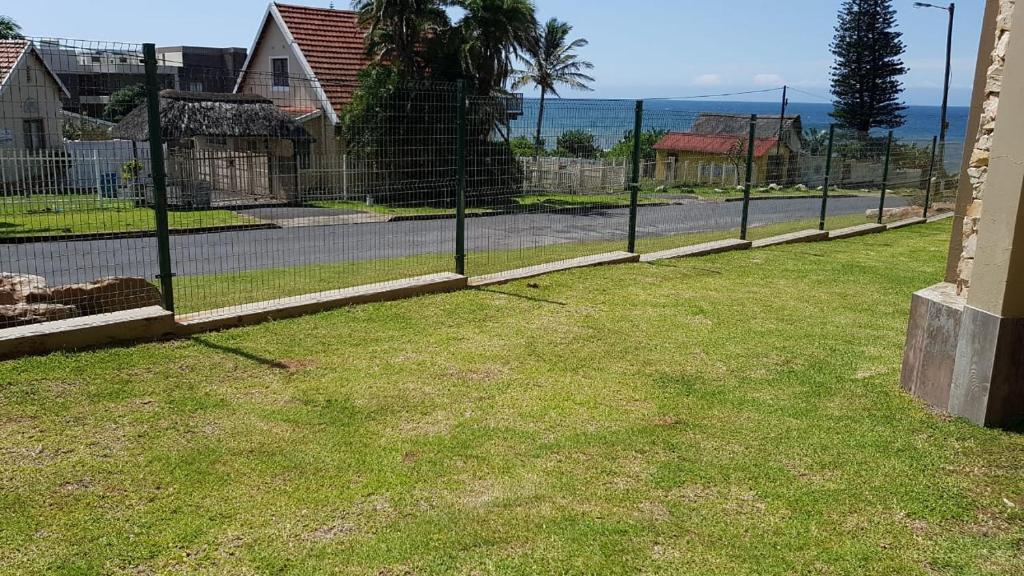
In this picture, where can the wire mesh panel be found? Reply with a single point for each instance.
(693, 166)
(545, 188)
(326, 188)
(76, 222)
(858, 170)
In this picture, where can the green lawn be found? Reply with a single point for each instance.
(80, 214)
(735, 414)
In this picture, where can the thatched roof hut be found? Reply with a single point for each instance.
(191, 114)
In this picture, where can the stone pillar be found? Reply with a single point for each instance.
(965, 343)
(978, 168)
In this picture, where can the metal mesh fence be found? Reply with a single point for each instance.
(535, 198)
(74, 224)
(327, 202)
(276, 185)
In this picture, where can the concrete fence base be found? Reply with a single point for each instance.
(154, 323)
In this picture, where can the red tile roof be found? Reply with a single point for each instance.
(333, 44)
(10, 52)
(709, 143)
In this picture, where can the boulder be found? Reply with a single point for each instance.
(22, 314)
(891, 214)
(800, 187)
(14, 288)
(101, 296)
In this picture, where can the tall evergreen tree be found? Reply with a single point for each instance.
(866, 75)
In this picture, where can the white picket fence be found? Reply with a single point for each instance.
(80, 167)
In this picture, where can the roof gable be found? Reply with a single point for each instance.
(327, 42)
(13, 52)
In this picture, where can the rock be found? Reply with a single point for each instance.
(719, 190)
(800, 187)
(103, 295)
(774, 187)
(740, 187)
(15, 287)
(22, 314)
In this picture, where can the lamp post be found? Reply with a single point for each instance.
(951, 10)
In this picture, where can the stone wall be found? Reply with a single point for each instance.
(978, 169)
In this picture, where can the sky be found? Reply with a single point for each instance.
(640, 49)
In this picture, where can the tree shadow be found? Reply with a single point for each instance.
(270, 363)
(520, 296)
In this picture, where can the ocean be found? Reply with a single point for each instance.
(608, 120)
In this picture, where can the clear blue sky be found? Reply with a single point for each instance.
(642, 48)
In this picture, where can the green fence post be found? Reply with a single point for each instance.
(828, 176)
(156, 149)
(750, 177)
(460, 180)
(931, 174)
(634, 185)
(885, 176)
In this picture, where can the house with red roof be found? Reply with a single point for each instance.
(307, 60)
(31, 119)
(714, 151)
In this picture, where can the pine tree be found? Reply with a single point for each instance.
(866, 75)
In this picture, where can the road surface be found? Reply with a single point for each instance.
(225, 252)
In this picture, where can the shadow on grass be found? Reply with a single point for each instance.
(520, 296)
(270, 363)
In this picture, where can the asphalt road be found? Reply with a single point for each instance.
(225, 252)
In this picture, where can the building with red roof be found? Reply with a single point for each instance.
(307, 60)
(714, 151)
(31, 113)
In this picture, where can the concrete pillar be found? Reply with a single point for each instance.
(988, 375)
(965, 342)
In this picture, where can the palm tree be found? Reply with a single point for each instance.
(551, 62)
(491, 34)
(397, 29)
(9, 29)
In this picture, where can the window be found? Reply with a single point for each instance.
(35, 137)
(279, 68)
(195, 87)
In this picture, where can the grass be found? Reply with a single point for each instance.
(736, 414)
(43, 215)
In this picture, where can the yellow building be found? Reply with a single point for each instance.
(714, 151)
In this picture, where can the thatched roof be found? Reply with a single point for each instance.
(739, 125)
(190, 114)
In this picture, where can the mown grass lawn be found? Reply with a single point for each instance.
(736, 414)
(46, 215)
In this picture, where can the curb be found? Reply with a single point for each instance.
(792, 197)
(135, 234)
(566, 210)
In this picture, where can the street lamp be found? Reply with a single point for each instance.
(951, 9)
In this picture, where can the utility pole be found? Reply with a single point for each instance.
(782, 126)
(943, 121)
